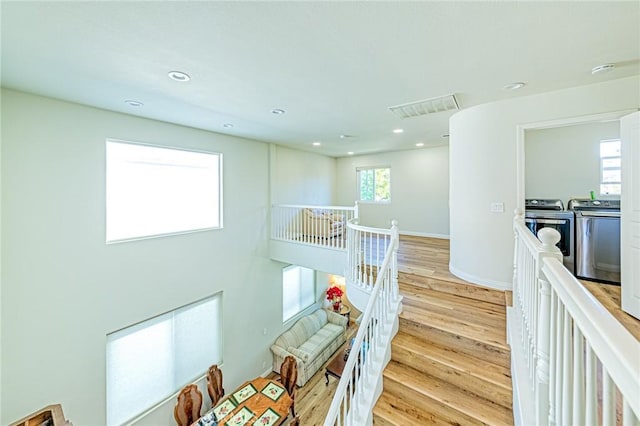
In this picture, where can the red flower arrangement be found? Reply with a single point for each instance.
(334, 294)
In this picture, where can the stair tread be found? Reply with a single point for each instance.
(394, 410)
(452, 300)
(471, 347)
(487, 371)
(452, 285)
(452, 396)
(479, 332)
(459, 307)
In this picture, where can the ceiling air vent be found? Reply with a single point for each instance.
(427, 106)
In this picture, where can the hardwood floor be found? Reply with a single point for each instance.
(450, 361)
(609, 296)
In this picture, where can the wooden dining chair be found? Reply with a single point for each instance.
(187, 409)
(214, 384)
(295, 421)
(289, 377)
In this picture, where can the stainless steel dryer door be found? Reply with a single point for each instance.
(598, 248)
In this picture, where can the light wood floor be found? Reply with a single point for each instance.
(609, 296)
(417, 258)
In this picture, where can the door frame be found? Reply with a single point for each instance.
(549, 124)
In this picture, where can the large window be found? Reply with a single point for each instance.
(298, 290)
(610, 167)
(157, 191)
(374, 184)
(150, 361)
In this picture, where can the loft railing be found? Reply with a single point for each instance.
(366, 253)
(323, 226)
(583, 365)
(354, 397)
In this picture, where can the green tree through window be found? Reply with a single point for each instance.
(374, 184)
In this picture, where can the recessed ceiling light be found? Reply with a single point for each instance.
(515, 86)
(350, 153)
(133, 103)
(277, 111)
(602, 68)
(398, 130)
(345, 136)
(227, 125)
(419, 144)
(179, 76)
(316, 144)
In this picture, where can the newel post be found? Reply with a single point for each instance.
(356, 210)
(549, 238)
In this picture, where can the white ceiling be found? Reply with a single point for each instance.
(335, 67)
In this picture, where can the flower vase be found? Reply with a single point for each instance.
(336, 306)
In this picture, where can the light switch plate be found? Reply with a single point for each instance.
(497, 207)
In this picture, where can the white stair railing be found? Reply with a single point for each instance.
(583, 365)
(323, 226)
(354, 397)
(366, 253)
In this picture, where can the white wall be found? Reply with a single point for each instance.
(64, 289)
(483, 170)
(564, 162)
(301, 177)
(419, 190)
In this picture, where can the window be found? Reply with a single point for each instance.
(298, 290)
(610, 167)
(155, 191)
(374, 184)
(150, 361)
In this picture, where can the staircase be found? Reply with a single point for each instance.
(450, 363)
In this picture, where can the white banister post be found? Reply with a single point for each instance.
(356, 210)
(549, 238)
(542, 382)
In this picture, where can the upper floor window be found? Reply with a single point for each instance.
(374, 184)
(154, 190)
(610, 167)
(149, 361)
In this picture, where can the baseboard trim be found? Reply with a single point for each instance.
(266, 372)
(498, 285)
(424, 234)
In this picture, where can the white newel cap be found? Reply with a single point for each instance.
(549, 237)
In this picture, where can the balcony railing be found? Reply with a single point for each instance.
(583, 365)
(355, 396)
(324, 226)
(366, 253)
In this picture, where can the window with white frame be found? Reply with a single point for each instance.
(298, 290)
(153, 191)
(149, 361)
(374, 184)
(610, 167)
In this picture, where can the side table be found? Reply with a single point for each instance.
(345, 311)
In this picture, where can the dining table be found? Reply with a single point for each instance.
(260, 401)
